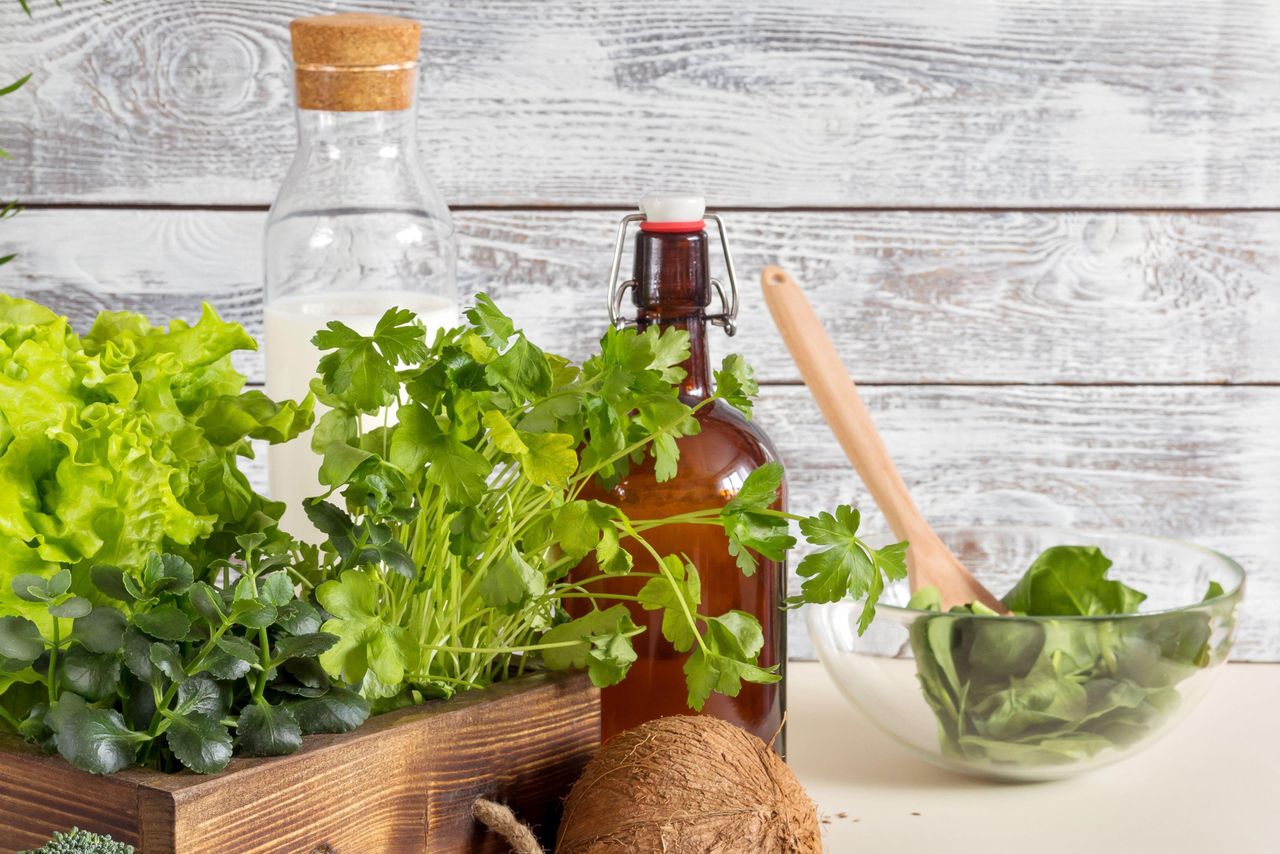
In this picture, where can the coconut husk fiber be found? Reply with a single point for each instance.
(688, 785)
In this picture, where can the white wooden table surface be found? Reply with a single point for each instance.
(1208, 786)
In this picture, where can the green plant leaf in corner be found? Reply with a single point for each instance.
(266, 730)
(199, 741)
(337, 710)
(93, 740)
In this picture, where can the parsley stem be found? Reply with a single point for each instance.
(662, 567)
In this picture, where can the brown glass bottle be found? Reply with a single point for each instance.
(672, 289)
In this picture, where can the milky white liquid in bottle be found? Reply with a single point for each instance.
(291, 323)
(358, 226)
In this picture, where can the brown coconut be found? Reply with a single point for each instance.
(688, 785)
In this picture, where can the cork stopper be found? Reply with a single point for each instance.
(355, 62)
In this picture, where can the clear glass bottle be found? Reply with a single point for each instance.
(671, 286)
(357, 227)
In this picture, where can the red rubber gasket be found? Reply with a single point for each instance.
(669, 227)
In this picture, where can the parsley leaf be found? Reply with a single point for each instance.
(845, 566)
(750, 529)
(493, 327)
(732, 645)
(678, 593)
(355, 371)
(599, 641)
(736, 383)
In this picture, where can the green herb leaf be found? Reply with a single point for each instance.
(166, 573)
(732, 644)
(252, 613)
(522, 370)
(199, 742)
(400, 336)
(736, 384)
(510, 582)
(748, 528)
(72, 608)
(239, 648)
(91, 675)
(843, 567)
(303, 646)
(167, 661)
(110, 580)
(365, 641)
(678, 592)
(550, 459)
(338, 710)
(599, 641)
(20, 640)
(275, 589)
(266, 730)
(1070, 581)
(93, 740)
(30, 588)
(207, 603)
(355, 372)
(201, 696)
(298, 618)
(494, 327)
(166, 622)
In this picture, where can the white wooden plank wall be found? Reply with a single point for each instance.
(1045, 234)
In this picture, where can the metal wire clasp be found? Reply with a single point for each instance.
(727, 317)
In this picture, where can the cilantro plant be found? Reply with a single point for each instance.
(454, 512)
(1024, 692)
(164, 674)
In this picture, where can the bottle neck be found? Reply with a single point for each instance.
(673, 290)
(386, 134)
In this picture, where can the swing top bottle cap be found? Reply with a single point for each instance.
(355, 62)
(673, 212)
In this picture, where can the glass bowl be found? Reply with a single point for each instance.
(1037, 698)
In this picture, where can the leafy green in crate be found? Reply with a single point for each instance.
(124, 442)
(173, 672)
(455, 510)
(1055, 691)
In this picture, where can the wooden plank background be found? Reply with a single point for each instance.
(1046, 235)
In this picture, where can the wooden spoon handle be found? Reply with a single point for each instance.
(841, 405)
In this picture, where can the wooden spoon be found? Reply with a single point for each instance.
(929, 561)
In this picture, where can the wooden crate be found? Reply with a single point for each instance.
(402, 783)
